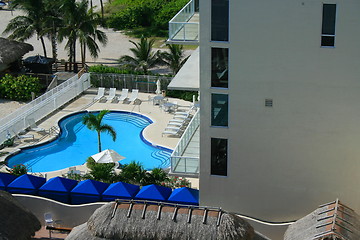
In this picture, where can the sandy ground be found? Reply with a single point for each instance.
(117, 46)
(118, 43)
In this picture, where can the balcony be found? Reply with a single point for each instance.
(184, 26)
(185, 157)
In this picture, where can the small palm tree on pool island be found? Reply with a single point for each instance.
(93, 122)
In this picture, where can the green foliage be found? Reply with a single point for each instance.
(146, 14)
(107, 69)
(156, 176)
(19, 88)
(143, 56)
(19, 170)
(103, 172)
(7, 143)
(185, 95)
(176, 182)
(133, 173)
(94, 123)
(74, 176)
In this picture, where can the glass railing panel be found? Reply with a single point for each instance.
(181, 28)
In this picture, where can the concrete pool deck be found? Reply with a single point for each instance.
(152, 133)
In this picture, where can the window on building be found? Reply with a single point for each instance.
(328, 25)
(220, 20)
(219, 67)
(219, 156)
(219, 110)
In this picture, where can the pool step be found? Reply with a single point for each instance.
(135, 120)
(163, 157)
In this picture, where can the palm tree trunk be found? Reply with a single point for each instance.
(54, 46)
(83, 54)
(43, 45)
(102, 8)
(99, 141)
(74, 56)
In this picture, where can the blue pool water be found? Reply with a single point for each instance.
(76, 143)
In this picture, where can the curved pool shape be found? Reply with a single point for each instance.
(76, 143)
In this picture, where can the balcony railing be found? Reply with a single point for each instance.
(186, 164)
(184, 26)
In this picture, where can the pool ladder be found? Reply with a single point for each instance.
(54, 131)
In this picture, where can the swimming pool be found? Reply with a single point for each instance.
(76, 143)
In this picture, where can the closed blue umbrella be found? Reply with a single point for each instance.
(5, 180)
(154, 192)
(185, 195)
(26, 184)
(88, 191)
(120, 190)
(58, 189)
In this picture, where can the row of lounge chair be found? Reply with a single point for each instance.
(112, 95)
(178, 123)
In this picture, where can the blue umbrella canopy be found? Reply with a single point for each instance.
(185, 195)
(154, 192)
(120, 190)
(5, 180)
(87, 191)
(26, 184)
(58, 189)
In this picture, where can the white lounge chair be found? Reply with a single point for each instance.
(172, 131)
(112, 95)
(134, 95)
(34, 127)
(124, 94)
(100, 94)
(24, 136)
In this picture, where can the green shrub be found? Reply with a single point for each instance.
(176, 182)
(185, 95)
(156, 176)
(19, 88)
(148, 14)
(107, 69)
(19, 170)
(103, 172)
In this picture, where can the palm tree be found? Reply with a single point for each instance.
(144, 58)
(93, 122)
(80, 24)
(52, 22)
(24, 27)
(175, 58)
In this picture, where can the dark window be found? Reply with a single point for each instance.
(328, 25)
(219, 67)
(219, 110)
(220, 20)
(219, 156)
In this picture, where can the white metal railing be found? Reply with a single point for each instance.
(176, 156)
(43, 105)
(181, 22)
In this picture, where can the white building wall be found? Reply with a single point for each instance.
(304, 151)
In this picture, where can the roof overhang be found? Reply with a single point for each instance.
(188, 77)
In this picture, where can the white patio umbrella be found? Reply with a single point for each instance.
(107, 156)
(158, 87)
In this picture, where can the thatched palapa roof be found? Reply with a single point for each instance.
(330, 221)
(126, 219)
(11, 50)
(16, 221)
